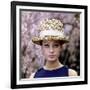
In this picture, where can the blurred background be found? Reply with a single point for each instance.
(31, 57)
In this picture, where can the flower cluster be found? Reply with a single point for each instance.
(48, 24)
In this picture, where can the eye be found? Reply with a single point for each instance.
(56, 45)
(46, 45)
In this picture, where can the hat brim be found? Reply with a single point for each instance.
(38, 40)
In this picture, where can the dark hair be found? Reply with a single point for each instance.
(60, 41)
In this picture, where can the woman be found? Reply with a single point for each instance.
(51, 39)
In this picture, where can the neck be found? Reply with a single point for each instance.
(51, 65)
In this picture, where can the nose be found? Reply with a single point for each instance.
(51, 49)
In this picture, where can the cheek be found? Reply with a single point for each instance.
(58, 51)
(44, 52)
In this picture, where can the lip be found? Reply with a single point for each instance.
(51, 56)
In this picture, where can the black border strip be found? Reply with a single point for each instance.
(40, 4)
(86, 44)
(13, 45)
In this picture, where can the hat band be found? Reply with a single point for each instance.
(51, 33)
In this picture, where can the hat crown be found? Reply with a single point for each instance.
(49, 24)
(50, 29)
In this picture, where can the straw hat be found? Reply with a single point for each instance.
(50, 29)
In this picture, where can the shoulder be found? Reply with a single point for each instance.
(72, 72)
(35, 73)
(32, 75)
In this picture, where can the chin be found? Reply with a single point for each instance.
(51, 59)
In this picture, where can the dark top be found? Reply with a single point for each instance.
(60, 72)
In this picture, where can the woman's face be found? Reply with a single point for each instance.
(51, 50)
